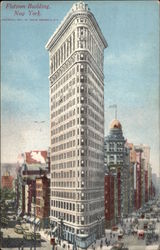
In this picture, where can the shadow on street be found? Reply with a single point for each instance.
(19, 242)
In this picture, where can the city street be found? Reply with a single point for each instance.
(13, 240)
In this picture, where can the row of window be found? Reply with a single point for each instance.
(71, 164)
(84, 41)
(94, 106)
(94, 135)
(63, 205)
(65, 68)
(66, 216)
(64, 136)
(80, 142)
(64, 98)
(63, 174)
(67, 77)
(63, 127)
(114, 150)
(62, 156)
(64, 146)
(95, 164)
(62, 118)
(80, 220)
(59, 102)
(68, 164)
(63, 52)
(70, 173)
(94, 80)
(77, 207)
(83, 152)
(77, 184)
(75, 57)
(78, 195)
(94, 125)
(70, 134)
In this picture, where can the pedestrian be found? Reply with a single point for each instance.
(101, 244)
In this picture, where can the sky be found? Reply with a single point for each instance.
(131, 70)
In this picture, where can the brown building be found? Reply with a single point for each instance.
(7, 181)
(43, 200)
(109, 199)
(32, 165)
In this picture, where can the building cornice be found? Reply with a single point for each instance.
(65, 23)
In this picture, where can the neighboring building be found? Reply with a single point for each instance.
(76, 53)
(138, 190)
(150, 182)
(146, 166)
(132, 161)
(109, 199)
(126, 182)
(43, 200)
(7, 181)
(30, 165)
(146, 173)
(115, 160)
(8, 168)
(155, 180)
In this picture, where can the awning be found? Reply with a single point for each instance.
(37, 221)
(31, 219)
(28, 217)
(19, 212)
(55, 229)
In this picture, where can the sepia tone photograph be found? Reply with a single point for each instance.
(80, 125)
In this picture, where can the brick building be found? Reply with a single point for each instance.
(109, 199)
(43, 200)
(7, 181)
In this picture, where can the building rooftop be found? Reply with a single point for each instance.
(77, 8)
(115, 124)
(34, 157)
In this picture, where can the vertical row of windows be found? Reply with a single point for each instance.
(63, 52)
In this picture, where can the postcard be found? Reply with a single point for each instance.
(80, 140)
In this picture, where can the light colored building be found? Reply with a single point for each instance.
(76, 52)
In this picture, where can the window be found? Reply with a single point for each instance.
(81, 56)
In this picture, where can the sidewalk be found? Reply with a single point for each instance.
(58, 247)
(96, 246)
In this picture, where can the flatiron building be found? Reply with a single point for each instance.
(76, 55)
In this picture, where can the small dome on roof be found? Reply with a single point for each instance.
(115, 124)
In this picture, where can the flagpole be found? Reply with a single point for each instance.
(115, 107)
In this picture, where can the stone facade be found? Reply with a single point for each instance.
(76, 77)
(115, 161)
